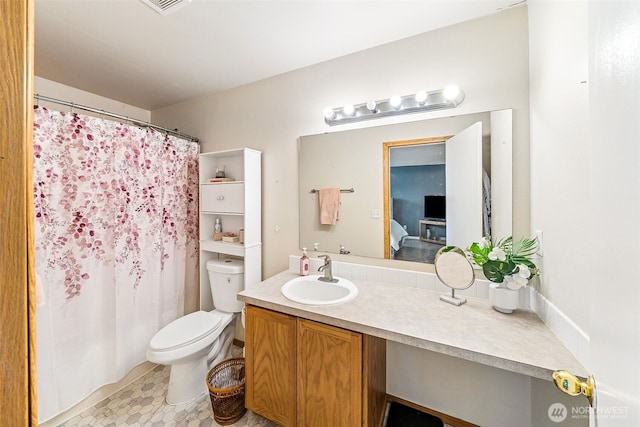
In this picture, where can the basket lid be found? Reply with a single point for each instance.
(185, 330)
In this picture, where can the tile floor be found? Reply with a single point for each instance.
(142, 403)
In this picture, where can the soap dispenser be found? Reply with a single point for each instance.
(304, 263)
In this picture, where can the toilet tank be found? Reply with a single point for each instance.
(226, 279)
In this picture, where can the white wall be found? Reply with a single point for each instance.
(487, 57)
(560, 178)
(62, 92)
(585, 63)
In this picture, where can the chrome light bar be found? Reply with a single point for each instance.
(449, 97)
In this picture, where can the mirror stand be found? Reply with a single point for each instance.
(455, 271)
(453, 299)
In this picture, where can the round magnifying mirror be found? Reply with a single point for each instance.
(454, 270)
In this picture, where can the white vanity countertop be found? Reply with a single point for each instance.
(519, 342)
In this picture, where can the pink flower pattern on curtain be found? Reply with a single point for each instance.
(102, 184)
(116, 211)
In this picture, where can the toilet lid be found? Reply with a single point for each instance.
(185, 330)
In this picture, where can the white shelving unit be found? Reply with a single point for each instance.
(238, 205)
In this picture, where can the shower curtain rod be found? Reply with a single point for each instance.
(117, 116)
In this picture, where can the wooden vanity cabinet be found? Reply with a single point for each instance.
(270, 365)
(339, 376)
(329, 375)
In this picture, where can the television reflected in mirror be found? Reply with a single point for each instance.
(435, 207)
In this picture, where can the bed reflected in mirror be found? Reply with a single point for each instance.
(415, 198)
(440, 187)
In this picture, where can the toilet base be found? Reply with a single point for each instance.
(188, 380)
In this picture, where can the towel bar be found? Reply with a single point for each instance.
(342, 190)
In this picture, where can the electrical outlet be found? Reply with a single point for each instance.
(539, 238)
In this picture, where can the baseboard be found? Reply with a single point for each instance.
(447, 419)
(99, 395)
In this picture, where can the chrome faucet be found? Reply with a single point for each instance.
(344, 251)
(326, 268)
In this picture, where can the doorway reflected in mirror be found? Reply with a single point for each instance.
(416, 250)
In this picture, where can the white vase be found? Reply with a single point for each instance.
(504, 300)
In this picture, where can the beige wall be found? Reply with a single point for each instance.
(487, 57)
(62, 92)
(560, 180)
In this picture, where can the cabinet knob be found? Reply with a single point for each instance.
(220, 198)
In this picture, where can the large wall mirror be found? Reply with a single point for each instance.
(400, 174)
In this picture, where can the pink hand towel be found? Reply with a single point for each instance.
(329, 201)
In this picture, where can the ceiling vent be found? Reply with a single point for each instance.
(165, 7)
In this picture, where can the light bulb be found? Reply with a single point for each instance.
(395, 101)
(329, 113)
(348, 110)
(451, 92)
(421, 97)
(371, 106)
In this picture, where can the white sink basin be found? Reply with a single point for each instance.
(310, 290)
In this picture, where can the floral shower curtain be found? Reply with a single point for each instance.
(116, 248)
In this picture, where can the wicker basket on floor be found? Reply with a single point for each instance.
(226, 389)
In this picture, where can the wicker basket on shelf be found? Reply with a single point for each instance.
(226, 390)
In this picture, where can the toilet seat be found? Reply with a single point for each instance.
(185, 330)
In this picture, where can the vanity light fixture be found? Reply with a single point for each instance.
(451, 92)
(395, 101)
(329, 114)
(449, 97)
(421, 97)
(349, 110)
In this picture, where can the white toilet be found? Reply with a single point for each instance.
(194, 343)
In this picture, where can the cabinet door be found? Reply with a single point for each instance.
(329, 376)
(374, 380)
(226, 198)
(270, 359)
